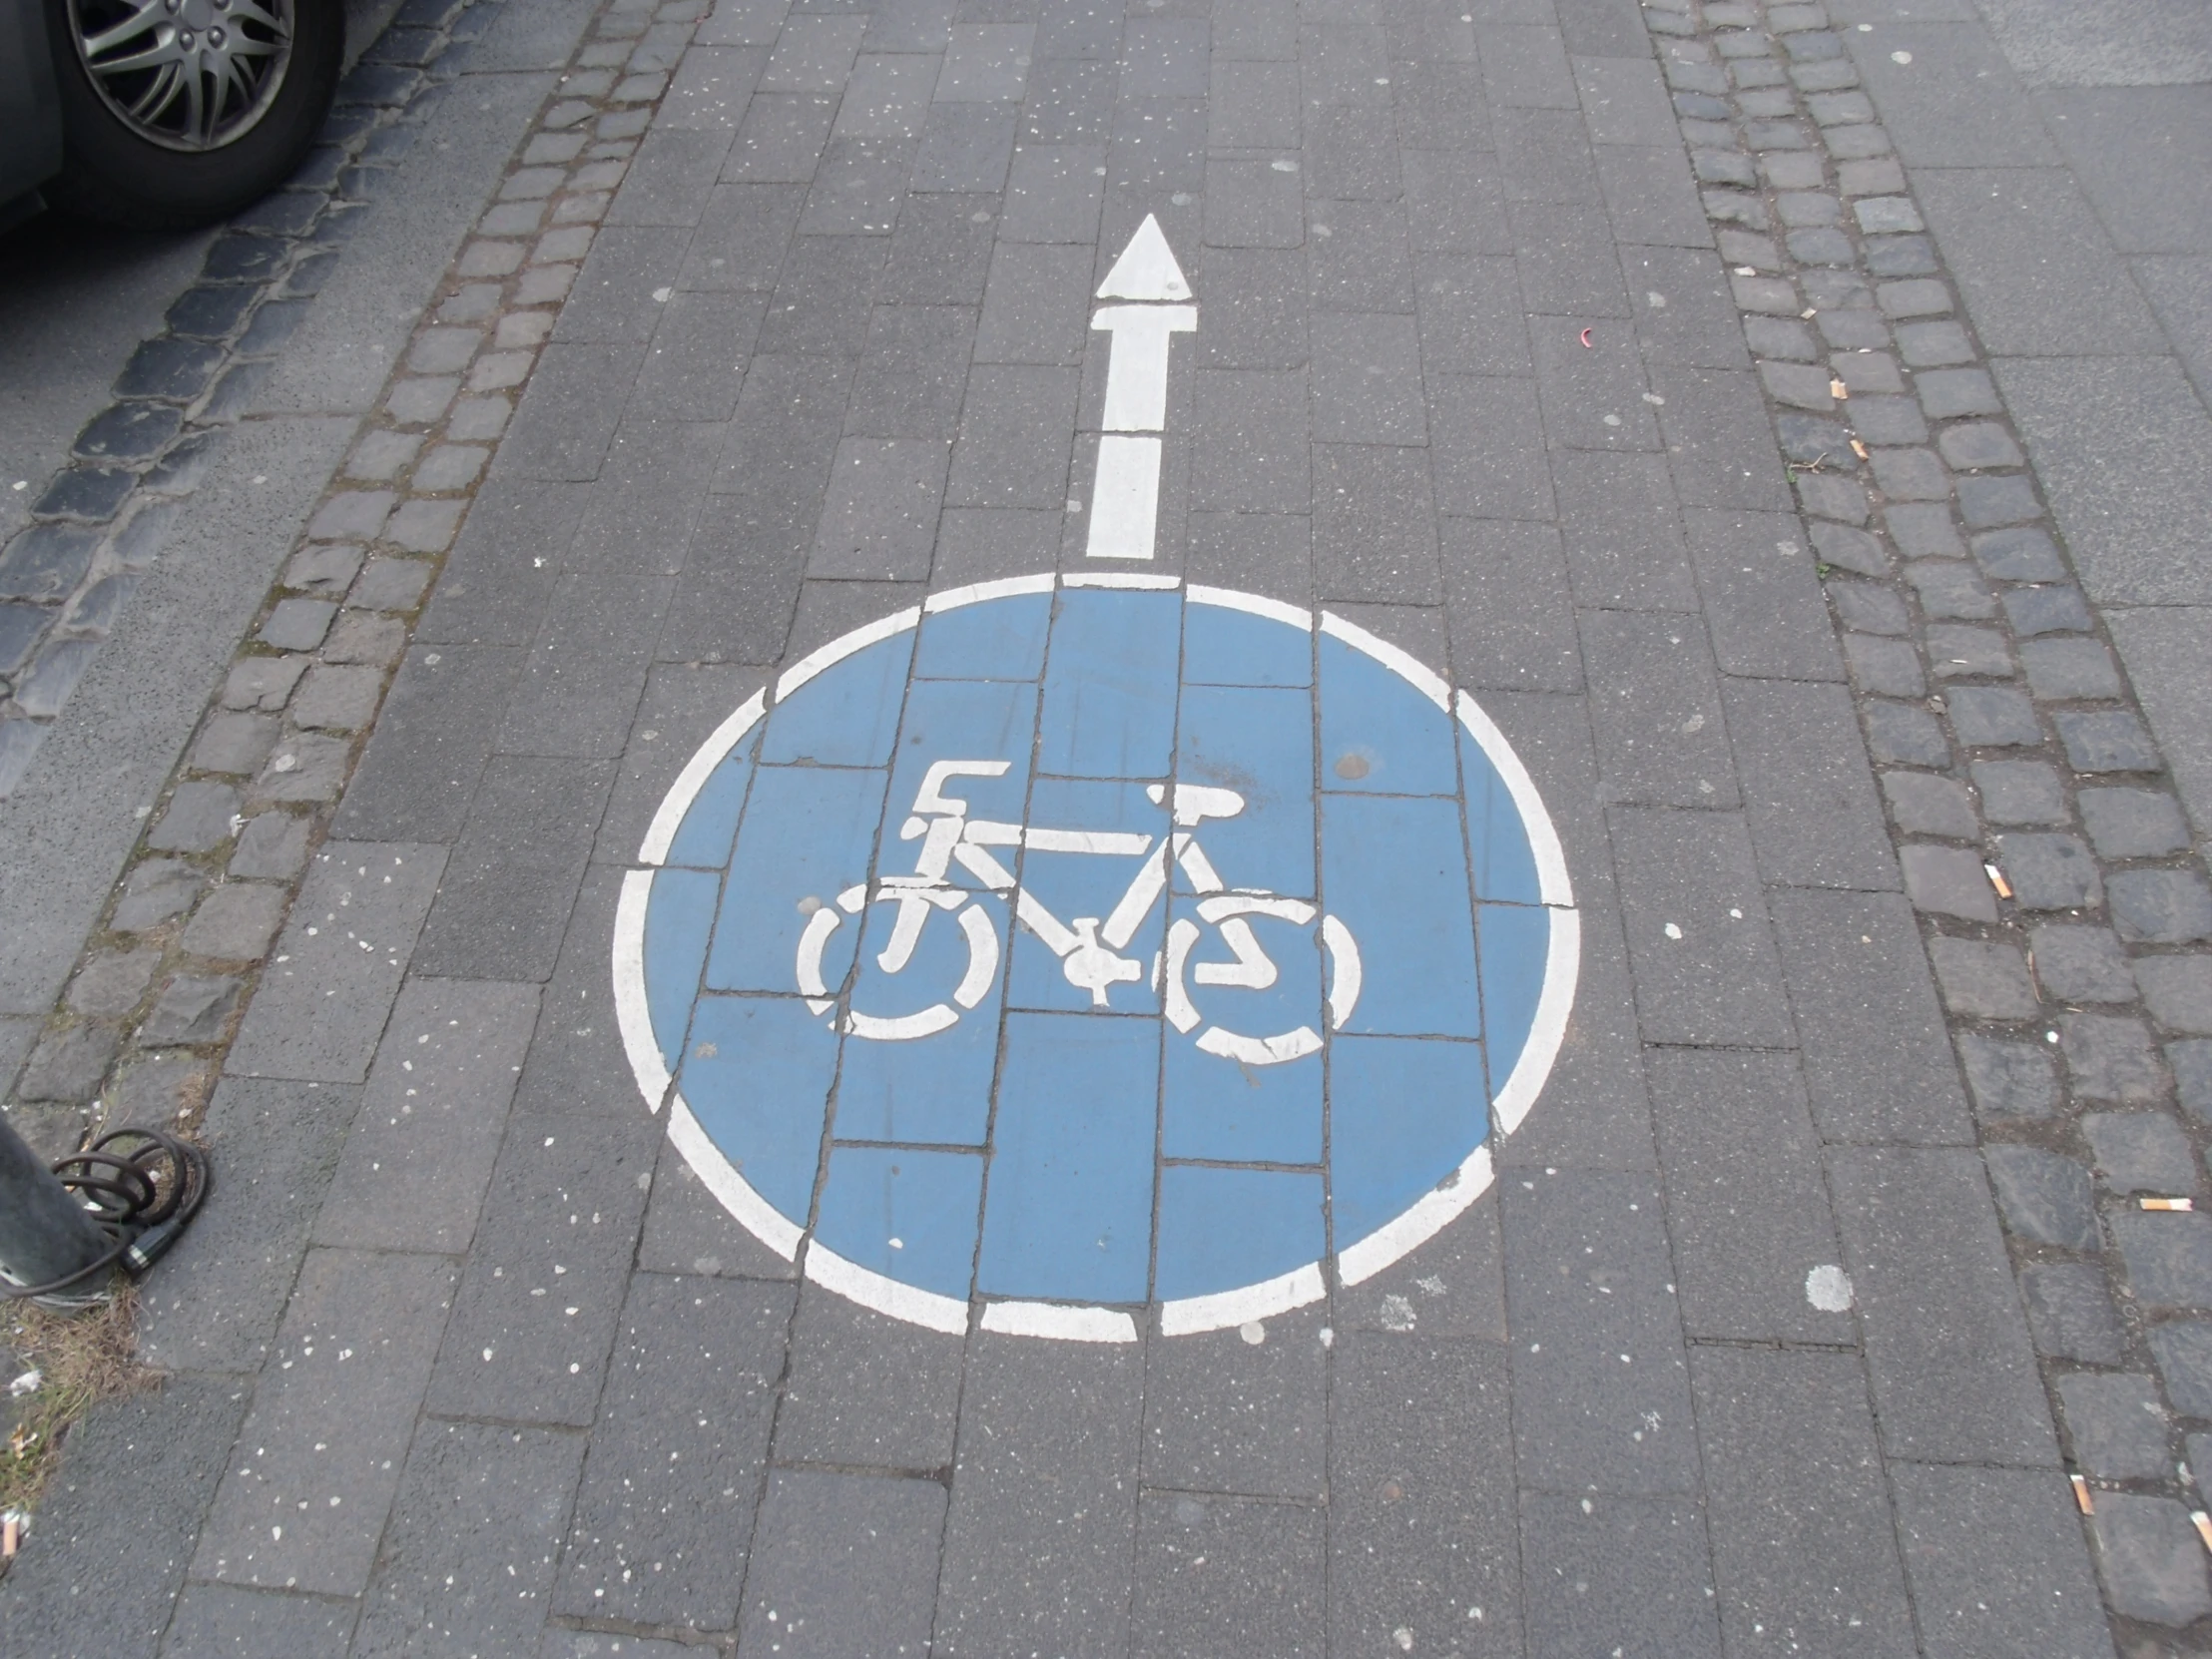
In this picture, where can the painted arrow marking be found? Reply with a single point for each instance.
(1125, 501)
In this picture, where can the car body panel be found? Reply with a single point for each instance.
(30, 112)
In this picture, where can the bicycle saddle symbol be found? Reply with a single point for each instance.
(1089, 947)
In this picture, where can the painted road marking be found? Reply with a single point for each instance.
(1125, 498)
(1063, 949)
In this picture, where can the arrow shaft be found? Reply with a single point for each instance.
(1137, 371)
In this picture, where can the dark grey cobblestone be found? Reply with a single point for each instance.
(2031, 757)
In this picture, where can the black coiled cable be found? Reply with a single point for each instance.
(141, 1186)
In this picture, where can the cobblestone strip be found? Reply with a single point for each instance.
(2065, 913)
(100, 520)
(146, 1019)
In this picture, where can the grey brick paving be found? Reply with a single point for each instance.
(825, 348)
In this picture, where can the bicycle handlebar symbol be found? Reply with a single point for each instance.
(1089, 947)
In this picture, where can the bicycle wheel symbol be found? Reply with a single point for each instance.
(974, 985)
(1253, 969)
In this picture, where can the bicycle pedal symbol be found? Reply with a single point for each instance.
(1090, 948)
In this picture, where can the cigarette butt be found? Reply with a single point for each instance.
(11, 1538)
(1858, 450)
(1838, 390)
(1998, 880)
(2167, 1203)
(2204, 1526)
(2082, 1500)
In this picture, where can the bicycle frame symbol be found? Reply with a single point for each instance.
(1089, 948)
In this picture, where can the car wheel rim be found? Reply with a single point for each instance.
(191, 75)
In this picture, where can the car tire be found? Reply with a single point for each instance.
(112, 171)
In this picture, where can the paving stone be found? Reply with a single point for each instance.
(271, 847)
(1987, 502)
(2020, 791)
(1947, 881)
(2160, 906)
(2061, 668)
(2151, 1559)
(1996, 1561)
(2024, 553)
(1987, 716)
(337, 699)
(2184, 1351)
(1954, 1377)
(1910, 476)
(1224, 1415)
(1656, 712)
(470, 1549)
(2043, 1197)
(68, 1064)
(113, 983)
(1581, 1417)
(1925, 804)
(2049, 871)
(1960, 652)
(2080, 964)
(1887, 668)
(235, 743)
(1982, 981)
(227, 1619)
(1950, 588)
(323, 1000)
(2111, 1058)
(2178, 993)
(2108, 740)
(1923, 530)
(1212, 1570)
(1746, 1203)
(1823, 494)
(2192, 1068)
(2071, 1313)
(223, 1286)
(234, 923)
(425, 526)
(304, 766)
(1719, 982)
(105, 1559)
(866, 1392)
(155, 891)
(1901, 733)
(262, 682)
(323, 1427)
(296, 624)
(192, 1008)
(2141, 1151)
(352, 515)
(2168, 1256)
(1616, 1571)
(1801, 1525)
(512, 879)
(674, 1553)
(196, 819)
(417, 1167)
(1981, 443)
(157, 1088)
(2051, 610)
(850, 1559)
(1949, 392)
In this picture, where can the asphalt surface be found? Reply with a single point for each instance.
(1674, 603)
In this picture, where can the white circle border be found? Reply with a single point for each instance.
(1071, 1321)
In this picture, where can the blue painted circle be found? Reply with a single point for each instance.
(1097, 947)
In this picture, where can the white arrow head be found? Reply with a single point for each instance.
(1146, 269)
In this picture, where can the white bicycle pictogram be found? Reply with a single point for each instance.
(1089, 947)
